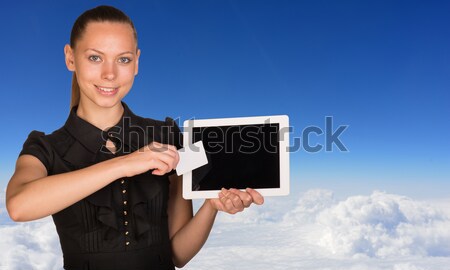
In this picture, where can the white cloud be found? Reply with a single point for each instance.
(406, 266)
(377, 232)
(309, 206)
(384, 225)
(308, 231)
(32, 245)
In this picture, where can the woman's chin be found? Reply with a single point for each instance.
(108, 103)
(102, 102)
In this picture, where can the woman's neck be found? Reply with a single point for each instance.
(101, 117)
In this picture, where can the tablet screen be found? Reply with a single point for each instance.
(239, 156)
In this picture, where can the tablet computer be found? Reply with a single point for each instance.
(242, 152)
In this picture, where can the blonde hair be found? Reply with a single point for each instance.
(97, 14)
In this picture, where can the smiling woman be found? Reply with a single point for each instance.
(106, 176)
(106, 29)
(108, 71)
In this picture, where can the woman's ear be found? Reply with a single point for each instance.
(68, 52)
(136, 67)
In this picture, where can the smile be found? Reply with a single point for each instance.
(107, 90)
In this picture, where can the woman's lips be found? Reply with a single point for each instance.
(107, 91)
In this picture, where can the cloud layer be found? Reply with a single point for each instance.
(312, 230)
(384, 225)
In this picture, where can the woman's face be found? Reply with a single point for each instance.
(105, 60)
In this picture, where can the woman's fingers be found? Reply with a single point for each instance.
(166, 153)
(159, 167)
(167, 149)
(163, 157)
(159, 147)
(257, 198)
(226, 204)
(244, 197)
(170, 160)
(235, 199)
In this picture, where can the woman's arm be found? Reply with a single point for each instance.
(32, 194)
(189, 233)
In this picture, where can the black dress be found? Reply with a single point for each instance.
(123, 225)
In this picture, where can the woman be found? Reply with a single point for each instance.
(106, 176)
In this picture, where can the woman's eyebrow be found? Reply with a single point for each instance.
(100, 52)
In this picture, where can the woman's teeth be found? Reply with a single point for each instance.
(106, 89)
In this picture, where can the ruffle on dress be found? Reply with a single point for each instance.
(144, 195)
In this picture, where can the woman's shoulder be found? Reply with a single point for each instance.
(54, 136)
(57, 139)
(50, 137)
(46, 146)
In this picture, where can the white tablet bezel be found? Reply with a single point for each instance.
(281, 120)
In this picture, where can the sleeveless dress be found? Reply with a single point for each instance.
(123, 225)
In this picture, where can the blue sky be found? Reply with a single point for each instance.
(380, 67)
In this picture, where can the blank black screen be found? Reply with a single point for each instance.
(239, 156)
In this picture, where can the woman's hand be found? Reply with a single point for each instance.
(234, 200)
(161, 158)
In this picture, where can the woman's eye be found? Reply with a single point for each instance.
(95, 58)
(124, 60)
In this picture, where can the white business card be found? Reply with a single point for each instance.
(191, 157)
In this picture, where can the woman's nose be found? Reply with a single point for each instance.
(109, 71)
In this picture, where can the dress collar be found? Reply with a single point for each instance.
(93, 138)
